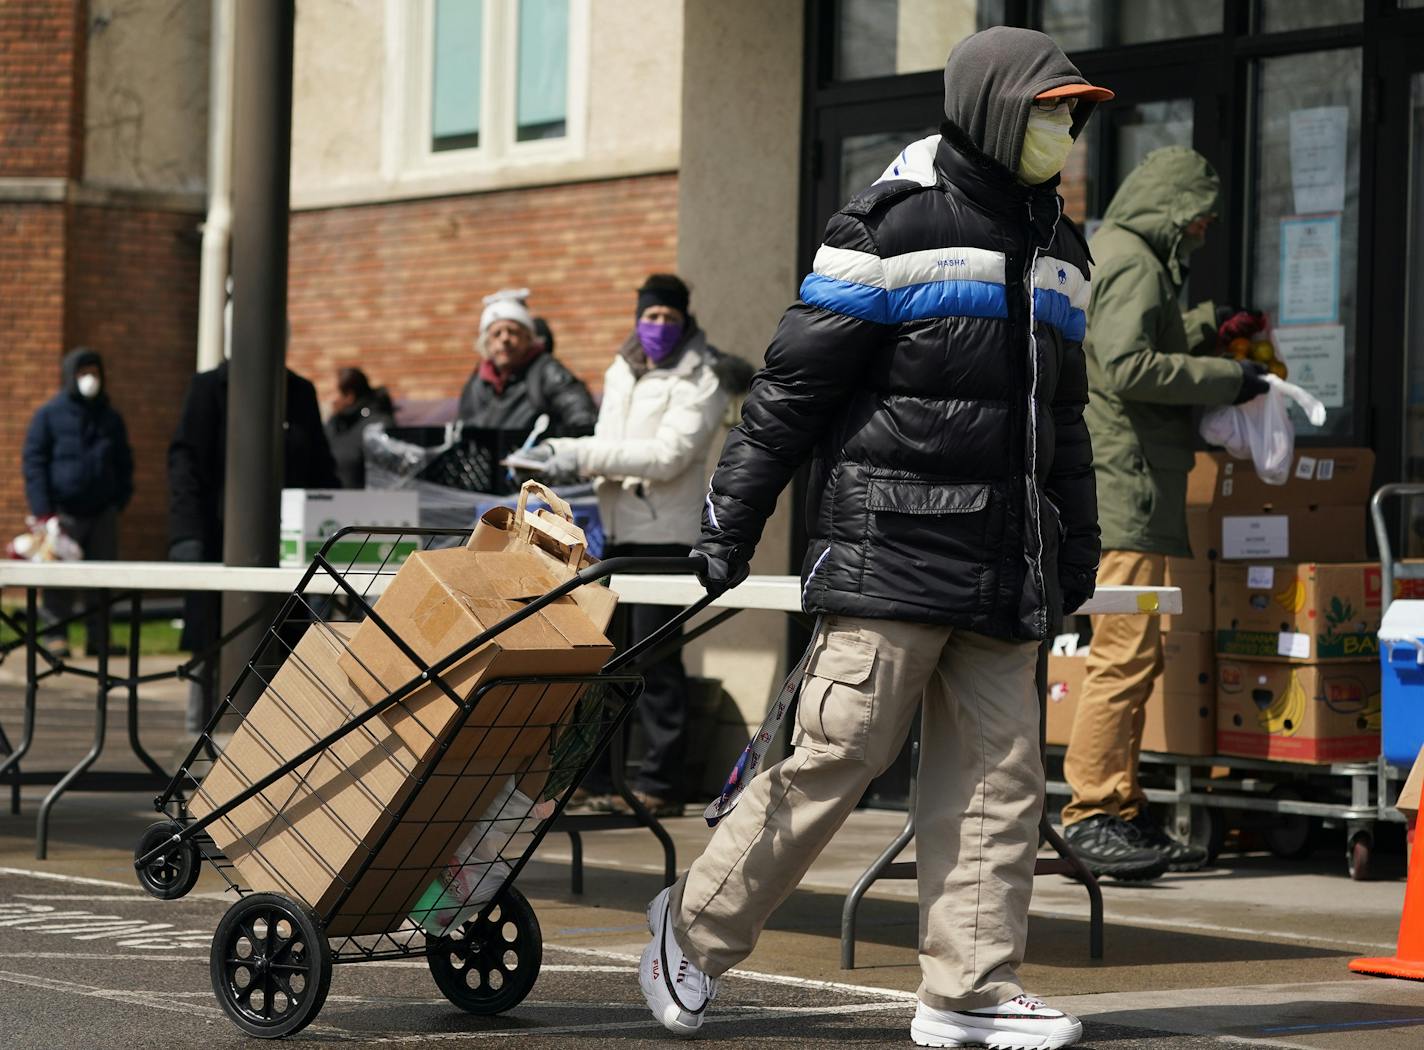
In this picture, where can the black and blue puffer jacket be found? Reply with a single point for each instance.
(933, 372)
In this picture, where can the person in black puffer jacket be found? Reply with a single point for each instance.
(357, 406)
(933, 374)
(517, 381)
(78, 465)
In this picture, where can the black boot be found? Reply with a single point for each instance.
(1110, 847)
(1180, 856)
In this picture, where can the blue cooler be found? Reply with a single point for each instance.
(1401, 650)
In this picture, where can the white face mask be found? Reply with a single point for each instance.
(88, 385)
(1046, 145)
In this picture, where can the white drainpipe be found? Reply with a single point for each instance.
(217, 227)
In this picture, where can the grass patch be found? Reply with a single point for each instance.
(156, 637)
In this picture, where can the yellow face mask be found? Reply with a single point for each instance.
(1046, 145)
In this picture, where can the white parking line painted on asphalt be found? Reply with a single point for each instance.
(55, 876)
(83, 925)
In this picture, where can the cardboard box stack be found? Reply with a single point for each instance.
(1181, 712)
(1297, 607)
(311, 833)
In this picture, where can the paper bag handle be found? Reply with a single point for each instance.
(536, 488)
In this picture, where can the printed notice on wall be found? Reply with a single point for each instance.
(1315, 355)
(1310, 270)
(1318, 148)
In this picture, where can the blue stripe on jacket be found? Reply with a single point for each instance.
(914, 302)
(1055, 308)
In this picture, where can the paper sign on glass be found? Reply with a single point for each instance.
(1318, 148)
(1310, 270)
(1315, 355)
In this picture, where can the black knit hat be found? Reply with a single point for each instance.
(663, 289)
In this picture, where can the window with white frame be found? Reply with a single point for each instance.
(492, 79)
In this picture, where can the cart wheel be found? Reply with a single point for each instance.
(1292, 837)
(271, 965)
(489, 965)
(1358, 855)
(1208, 831)
(175, 871)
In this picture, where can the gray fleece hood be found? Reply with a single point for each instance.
(991, 80)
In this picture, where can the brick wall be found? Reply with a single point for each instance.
(133, 296)
(395, 288)
(42, 87)
(31, 335)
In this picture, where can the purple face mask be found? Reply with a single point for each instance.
(658, 340)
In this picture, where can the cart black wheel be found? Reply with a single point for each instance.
(490, 964)
(174, 871)
(1208, 831)
(271, 965)
(1292, 836)
(1359, 854)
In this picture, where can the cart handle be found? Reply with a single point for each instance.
(1384, 492)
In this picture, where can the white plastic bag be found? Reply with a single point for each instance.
(1261, 430)
(479, 866)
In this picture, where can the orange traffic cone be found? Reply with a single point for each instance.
(1408, 960)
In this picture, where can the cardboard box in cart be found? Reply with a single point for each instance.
(1317, 515)
(1301, 613)
(1298, 712)
(311, 516)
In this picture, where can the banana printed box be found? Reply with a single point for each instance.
(1308, 612)
(1298, 713)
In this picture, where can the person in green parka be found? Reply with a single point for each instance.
(1148, 365)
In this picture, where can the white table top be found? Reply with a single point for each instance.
(776, 593)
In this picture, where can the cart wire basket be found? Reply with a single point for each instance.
(380, 849)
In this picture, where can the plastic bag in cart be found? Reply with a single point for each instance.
(477, 869)
(1261, 429)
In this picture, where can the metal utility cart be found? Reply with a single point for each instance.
(273, 953)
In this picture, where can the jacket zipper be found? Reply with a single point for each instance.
(1035, 512)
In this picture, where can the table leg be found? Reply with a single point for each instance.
(32, 688)
(101, 719)
(135, 632)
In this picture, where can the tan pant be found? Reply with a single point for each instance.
(1124, 660)
(976, 821)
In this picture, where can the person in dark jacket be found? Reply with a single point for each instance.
(197, 470)
(78, 465)
(356, 407)
(933, 374)
(517, 381)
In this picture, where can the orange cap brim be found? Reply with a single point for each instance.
(1087, 91)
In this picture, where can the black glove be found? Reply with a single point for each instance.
(186, 550)
(1253, 382)
(719, 574)
(1077, 590)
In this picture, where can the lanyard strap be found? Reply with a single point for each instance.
(751, 758)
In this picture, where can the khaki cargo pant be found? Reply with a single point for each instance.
(976, 821)
(1124, 660)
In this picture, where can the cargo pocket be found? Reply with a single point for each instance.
(837, 699)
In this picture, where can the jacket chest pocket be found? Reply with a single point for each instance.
(837, 699)
(924, 498)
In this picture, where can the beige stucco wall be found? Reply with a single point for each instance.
(146, 95)
(357, 71)
(738, 200)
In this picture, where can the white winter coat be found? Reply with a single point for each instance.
(648, 453)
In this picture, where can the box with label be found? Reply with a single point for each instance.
(1317, 515)
(311, 516)
(1181, 712)
(1298, 712)
(1320, 477)
(1301, 613)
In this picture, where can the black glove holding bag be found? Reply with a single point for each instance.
(1253, 382)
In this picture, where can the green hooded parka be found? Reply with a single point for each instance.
(1144, 372)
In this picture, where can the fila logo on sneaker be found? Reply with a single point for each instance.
(655, 969)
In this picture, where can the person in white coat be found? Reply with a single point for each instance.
(663, 402)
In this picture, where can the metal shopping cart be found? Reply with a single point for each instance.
(484, 807)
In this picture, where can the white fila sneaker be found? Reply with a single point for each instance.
(1022, 1023)
(676, 991)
